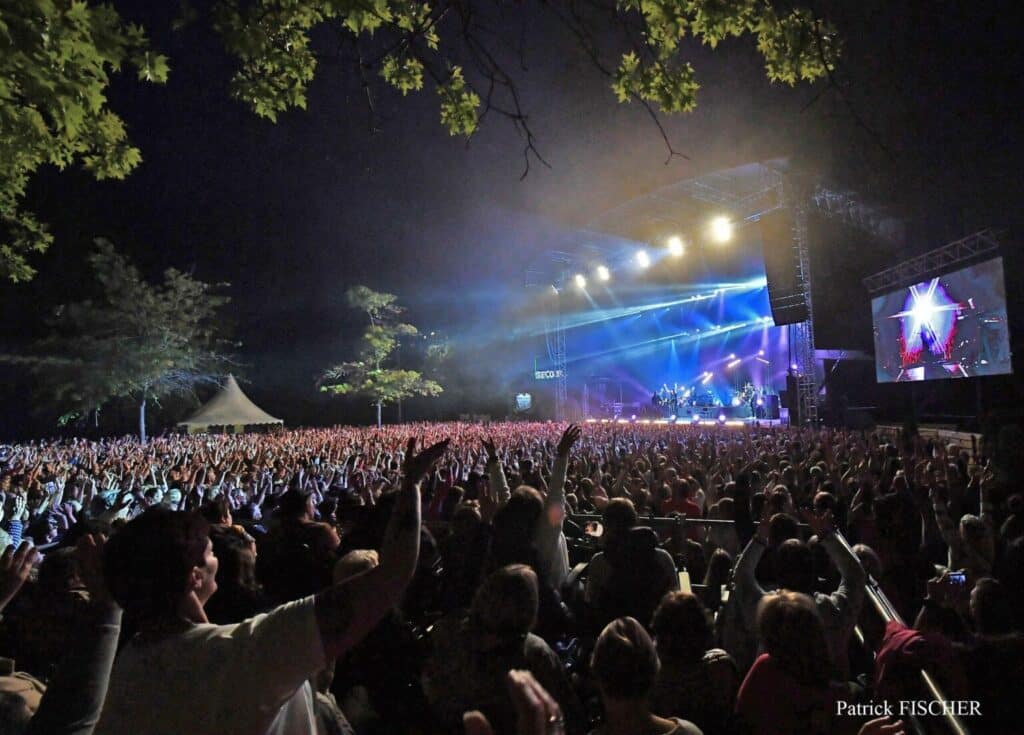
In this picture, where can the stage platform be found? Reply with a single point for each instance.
(695, 421)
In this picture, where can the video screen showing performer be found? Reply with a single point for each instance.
(952, 326)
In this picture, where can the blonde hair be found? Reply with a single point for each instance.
(355, 563)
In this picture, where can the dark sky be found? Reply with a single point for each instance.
(294, 213)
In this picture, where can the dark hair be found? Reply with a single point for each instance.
(507, 601)
(147, 563)
(625, 662)
(782, 526)
(791, 630)
(619, 515)
(216, 510)
(719, 569)
(794, 566)
(681, 626)
(293, 504)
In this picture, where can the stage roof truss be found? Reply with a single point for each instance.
(849, 208)
(915, 270)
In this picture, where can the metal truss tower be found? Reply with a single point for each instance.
(554, 328)
(802, 334)
(556, 351)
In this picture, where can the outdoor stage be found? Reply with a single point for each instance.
(700, 290)
(695, 421)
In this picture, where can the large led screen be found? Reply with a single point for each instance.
(952, 326)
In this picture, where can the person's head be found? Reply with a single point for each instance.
(825, 502)
(466, 520)
(217, 512)
(161, 562)
(991, 607)
(619, 516)
(719, 569)
(791, 631)
(296, 505)
(681, 627)
(236, 562)
(782, 526)
(794, 566)
(353, 564)
(517, 519)
(624, 662)
(328, 510)
(506, 603)
(871, 562)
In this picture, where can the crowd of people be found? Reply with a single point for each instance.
(519, 578)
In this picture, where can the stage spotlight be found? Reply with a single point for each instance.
(732, 356)
(675, 245)
(672, 417)
(696, 419)
(794, 367)
(706, 379)
(642, 258)
(736, 401)
(721, 418)
(721, 229)
(603, 274)
(733, 364)
(760, 400)
(633, 417)
(581, 281)
(760, 353)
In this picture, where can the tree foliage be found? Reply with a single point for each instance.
(408, 42)
(56, 59)
(368, 375)
(138, 340)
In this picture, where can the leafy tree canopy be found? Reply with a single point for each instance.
(138, 340)
(56, 57)
(368, 375)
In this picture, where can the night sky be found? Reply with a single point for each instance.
(292, 214)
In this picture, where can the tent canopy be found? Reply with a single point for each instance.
(230, 407)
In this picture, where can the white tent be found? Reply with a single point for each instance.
(230, 409)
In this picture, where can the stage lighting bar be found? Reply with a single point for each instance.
(707, 377)
(733, 363)
(675, 245)
(762, 360)
(643, 259)
(603, 274)
(580, 280)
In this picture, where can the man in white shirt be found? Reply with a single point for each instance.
(181, 674)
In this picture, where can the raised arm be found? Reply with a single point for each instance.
(847, 599)
(556, 492)
(346, 613)
(499, 483)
